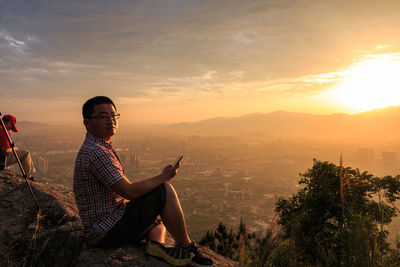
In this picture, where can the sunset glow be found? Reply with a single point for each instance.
(186, 61)
(370, 84)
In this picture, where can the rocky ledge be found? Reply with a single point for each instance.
(54, 236)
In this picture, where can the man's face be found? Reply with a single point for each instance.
(101, 124)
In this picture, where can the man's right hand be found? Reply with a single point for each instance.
(169, 172)
(9, 149)
(134, 190)
(6, 150)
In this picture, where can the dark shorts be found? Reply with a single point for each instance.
(141, 215)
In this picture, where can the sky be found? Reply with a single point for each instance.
(181, 61)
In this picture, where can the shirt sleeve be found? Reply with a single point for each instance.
(3, 139)
(106, 167)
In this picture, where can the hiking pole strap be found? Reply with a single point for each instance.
(12, 145)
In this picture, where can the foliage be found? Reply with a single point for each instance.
(323, 231)
(338, 218)
(234, 245)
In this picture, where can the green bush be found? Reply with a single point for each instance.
(336, 219)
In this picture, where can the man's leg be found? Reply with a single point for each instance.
(10, 159)
(158, 233)
(26, 161)
(173, 218)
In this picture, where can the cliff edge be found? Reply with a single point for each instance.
(54, 236)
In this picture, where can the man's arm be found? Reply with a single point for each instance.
(134, 190)
(4, 145)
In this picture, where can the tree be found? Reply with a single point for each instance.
(229, 243)
(337, 219)
(322, 231)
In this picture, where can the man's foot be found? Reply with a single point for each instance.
(198, 259)
(176, 256)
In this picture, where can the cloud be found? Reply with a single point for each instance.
(389, 56)
(244, 38)
(141, 48)
(42, 67)
(205, 76)
(383, 46)
(12, 42)
(212, 84)
(237, 74)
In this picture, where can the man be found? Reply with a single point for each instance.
(24, 156)
(114, 210)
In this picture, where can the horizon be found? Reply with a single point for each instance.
(219, 117)
(186, 61)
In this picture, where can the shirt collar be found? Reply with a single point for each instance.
(93, 138)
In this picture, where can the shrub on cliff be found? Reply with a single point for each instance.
(232, 244)
(338, 218)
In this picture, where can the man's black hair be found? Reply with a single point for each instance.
(88, 107)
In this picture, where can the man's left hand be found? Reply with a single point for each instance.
(169, 172)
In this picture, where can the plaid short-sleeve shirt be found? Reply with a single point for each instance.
(97, 168)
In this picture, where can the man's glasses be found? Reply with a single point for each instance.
(113, 117)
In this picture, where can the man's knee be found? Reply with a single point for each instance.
(170, 192)
(23, 154)
(169, 188)
(28, 154)
(160, 227)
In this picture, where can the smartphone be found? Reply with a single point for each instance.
(176, 163)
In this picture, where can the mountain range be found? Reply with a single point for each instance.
(376, 125)
(380, 124)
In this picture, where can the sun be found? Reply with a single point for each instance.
(369, 84)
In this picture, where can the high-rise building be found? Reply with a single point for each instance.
(123, 158)
(365, 154)
(227, 187)
(389, 156)
(43, 165)
(134, 160)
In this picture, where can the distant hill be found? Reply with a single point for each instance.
(380, 124)
(26, 124)
(36, 128)
(377, 125)
(30, 127)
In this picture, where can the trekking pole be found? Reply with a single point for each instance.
(16, 156)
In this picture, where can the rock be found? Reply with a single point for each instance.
(54, 236)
